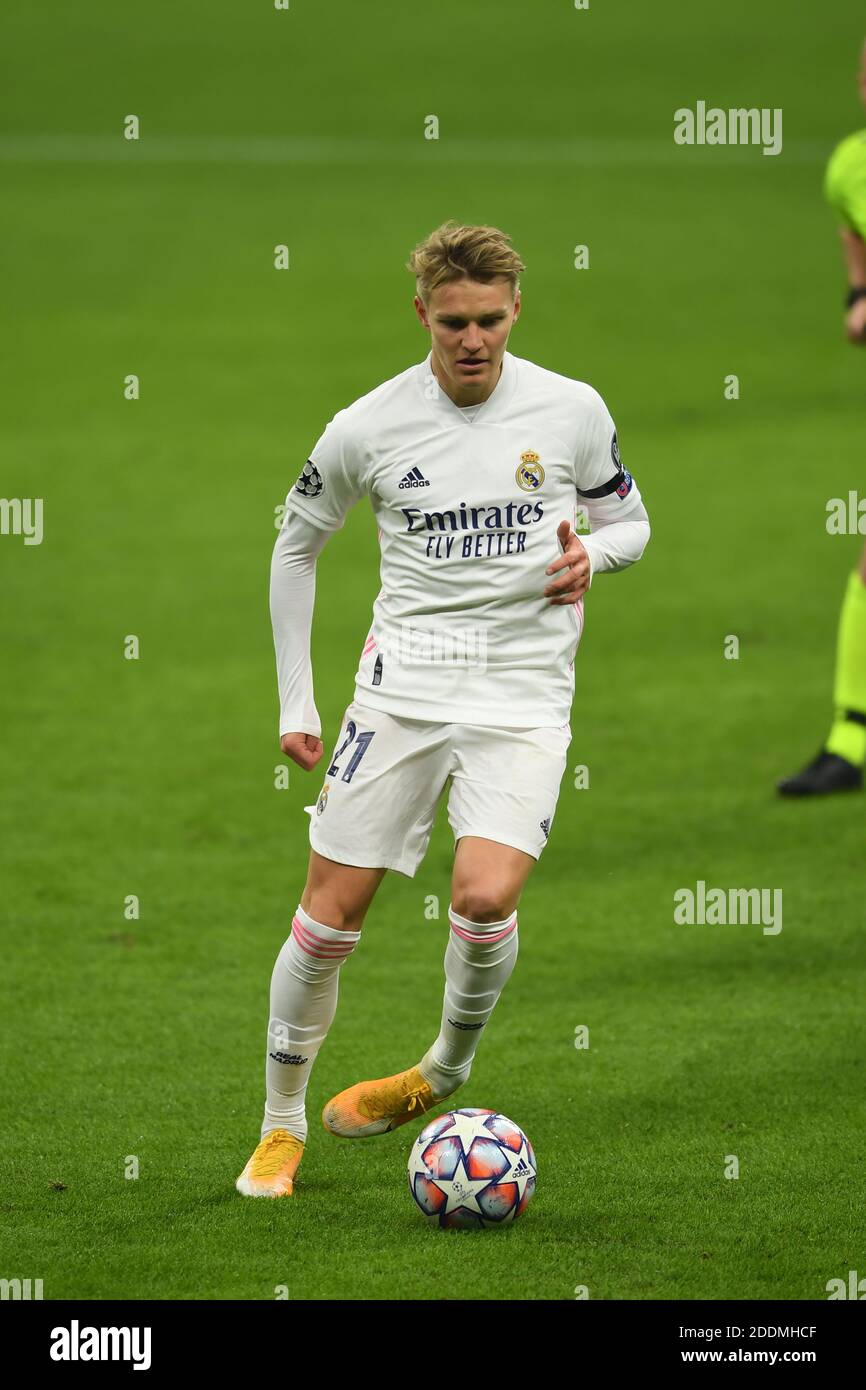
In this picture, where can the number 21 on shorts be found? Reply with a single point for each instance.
(363, 743)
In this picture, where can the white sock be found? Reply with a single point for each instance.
(303, 1003)
(479, 958)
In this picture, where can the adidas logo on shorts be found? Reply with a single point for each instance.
(414, 478)
(545, 826)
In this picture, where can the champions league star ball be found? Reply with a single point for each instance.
(471, 1169)
(309, 483)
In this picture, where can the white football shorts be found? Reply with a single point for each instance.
(384, 781)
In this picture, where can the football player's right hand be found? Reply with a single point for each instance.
(303, 749)
(855, 322)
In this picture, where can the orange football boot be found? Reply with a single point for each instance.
(271, 1170)
(376, 1107)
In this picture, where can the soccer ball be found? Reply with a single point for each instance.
(471, 1169)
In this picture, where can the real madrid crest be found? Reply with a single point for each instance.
(323, 798)
(530, 474)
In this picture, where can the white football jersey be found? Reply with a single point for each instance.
(467, 503)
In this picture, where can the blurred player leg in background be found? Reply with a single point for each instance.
(839, 765)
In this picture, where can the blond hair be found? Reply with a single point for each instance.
(455, 252)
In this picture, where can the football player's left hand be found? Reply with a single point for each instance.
(569, 587)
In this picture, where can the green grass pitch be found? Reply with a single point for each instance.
(156, 777)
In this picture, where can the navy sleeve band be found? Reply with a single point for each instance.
(606, 488)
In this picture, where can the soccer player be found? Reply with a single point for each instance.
(839, 765)
(474, 462)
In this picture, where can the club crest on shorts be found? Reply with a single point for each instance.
(530, 474)
(310, 483)
(323, 798)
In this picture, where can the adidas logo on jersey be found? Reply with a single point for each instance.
(414, 478)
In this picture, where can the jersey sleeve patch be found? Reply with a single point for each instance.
(310, 482)
(621, 482)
